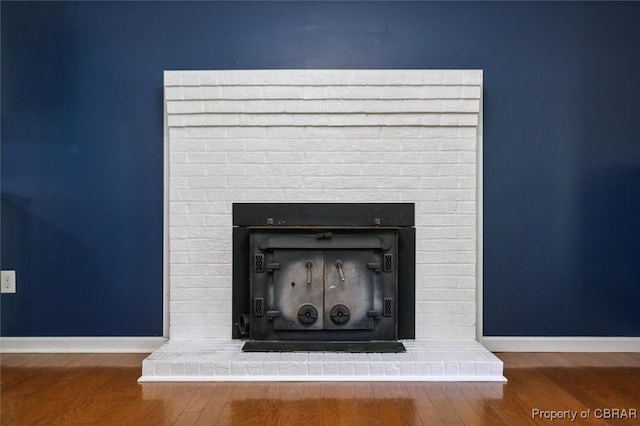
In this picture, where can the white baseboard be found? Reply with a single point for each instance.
(561, 344)
(80, 344)
(150, 344)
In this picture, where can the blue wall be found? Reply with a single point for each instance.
(82, 146)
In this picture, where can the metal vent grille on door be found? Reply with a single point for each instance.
(258, 306)
(387, 308)
(388, 263)
(258, 263)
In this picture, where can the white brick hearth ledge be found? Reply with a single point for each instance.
(222, 360)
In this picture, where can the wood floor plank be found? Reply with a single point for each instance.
(476, 397)
(520, 406)
(446, 411)
(299, 403)
(466, 411)
(197, 403)
(423, 406)
(187, 418)
(101, 389)
(211, 412)
(248, 406)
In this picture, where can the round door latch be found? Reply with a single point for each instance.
(307, 314)
(340, 314)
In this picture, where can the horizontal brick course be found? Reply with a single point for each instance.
(323, 77)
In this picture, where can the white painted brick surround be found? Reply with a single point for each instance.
(322, 136)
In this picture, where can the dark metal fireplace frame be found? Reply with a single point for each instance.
(397, 216)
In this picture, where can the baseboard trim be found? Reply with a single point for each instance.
(561, 344)
(150, 344)
(80, 344)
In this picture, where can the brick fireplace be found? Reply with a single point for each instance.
(322, 136)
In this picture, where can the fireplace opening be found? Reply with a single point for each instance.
(323, 277)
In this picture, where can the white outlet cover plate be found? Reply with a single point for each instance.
(8, 282)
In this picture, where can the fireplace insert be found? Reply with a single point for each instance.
(324, 276)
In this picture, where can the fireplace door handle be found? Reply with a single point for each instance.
(340, 271)
(375, 267)
(309, 264)
(272, 267)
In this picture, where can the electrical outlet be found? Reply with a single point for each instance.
(8, 282)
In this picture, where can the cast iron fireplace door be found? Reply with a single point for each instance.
(323, 289)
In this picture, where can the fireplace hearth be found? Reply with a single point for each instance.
(324, 277)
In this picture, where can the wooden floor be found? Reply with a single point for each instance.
(102, 389)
